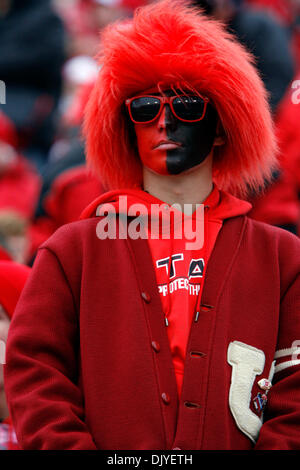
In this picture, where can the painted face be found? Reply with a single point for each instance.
(169, 146)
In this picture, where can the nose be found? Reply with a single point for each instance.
(166, 119)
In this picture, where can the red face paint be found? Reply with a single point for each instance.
(153, 142)
(169, 146)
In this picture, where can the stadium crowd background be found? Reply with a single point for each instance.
(48, 66)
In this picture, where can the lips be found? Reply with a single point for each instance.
(167, 145)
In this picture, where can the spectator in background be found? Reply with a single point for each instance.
(14, 236)
(19, 189)
(83, 21)
(68, 186)
(287, 12)
(67, 189)
(280, 204)
(269, 40)
(85, 18)
(283, 10)
(13, 277)
(266, 38)
(32, 55)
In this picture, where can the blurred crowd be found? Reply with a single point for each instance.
(48, 65)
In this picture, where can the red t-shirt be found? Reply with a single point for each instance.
(180, 276)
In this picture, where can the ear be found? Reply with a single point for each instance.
(220, 135)
(219, 140)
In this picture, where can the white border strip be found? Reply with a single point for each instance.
(287, 352)
(286, 364)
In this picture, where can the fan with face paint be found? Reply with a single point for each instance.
(169, 146)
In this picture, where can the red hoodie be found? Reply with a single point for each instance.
(180, 269)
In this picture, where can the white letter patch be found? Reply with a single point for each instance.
(246, 362)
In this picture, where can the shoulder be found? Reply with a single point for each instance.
(275, 249)
(278, 237)
(72, 236)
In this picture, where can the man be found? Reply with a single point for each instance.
(143, 342)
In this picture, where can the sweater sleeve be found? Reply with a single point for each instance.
(41, 371)
(281, 428)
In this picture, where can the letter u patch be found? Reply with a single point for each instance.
(247, 362)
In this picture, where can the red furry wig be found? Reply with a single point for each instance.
(171, 42)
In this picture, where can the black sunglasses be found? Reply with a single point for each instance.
(187, 108)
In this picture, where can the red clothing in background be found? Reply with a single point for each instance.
(70, 193)
(19, 180)
(19, 188)
(280, 203)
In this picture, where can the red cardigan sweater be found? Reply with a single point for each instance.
(88, 358)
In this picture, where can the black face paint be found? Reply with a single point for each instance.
(196, 140)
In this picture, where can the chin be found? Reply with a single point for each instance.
(182, 170)
(182, 166)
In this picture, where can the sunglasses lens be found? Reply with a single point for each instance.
(189, 108)
(145, 108)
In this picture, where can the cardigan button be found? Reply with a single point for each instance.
(166, 398)
(156, 346)
(146, 297)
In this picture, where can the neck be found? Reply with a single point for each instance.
(191, 187)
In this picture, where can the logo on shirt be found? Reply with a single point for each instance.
(171, 265)
(196, 268)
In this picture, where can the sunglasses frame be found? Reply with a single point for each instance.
(166, 100)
